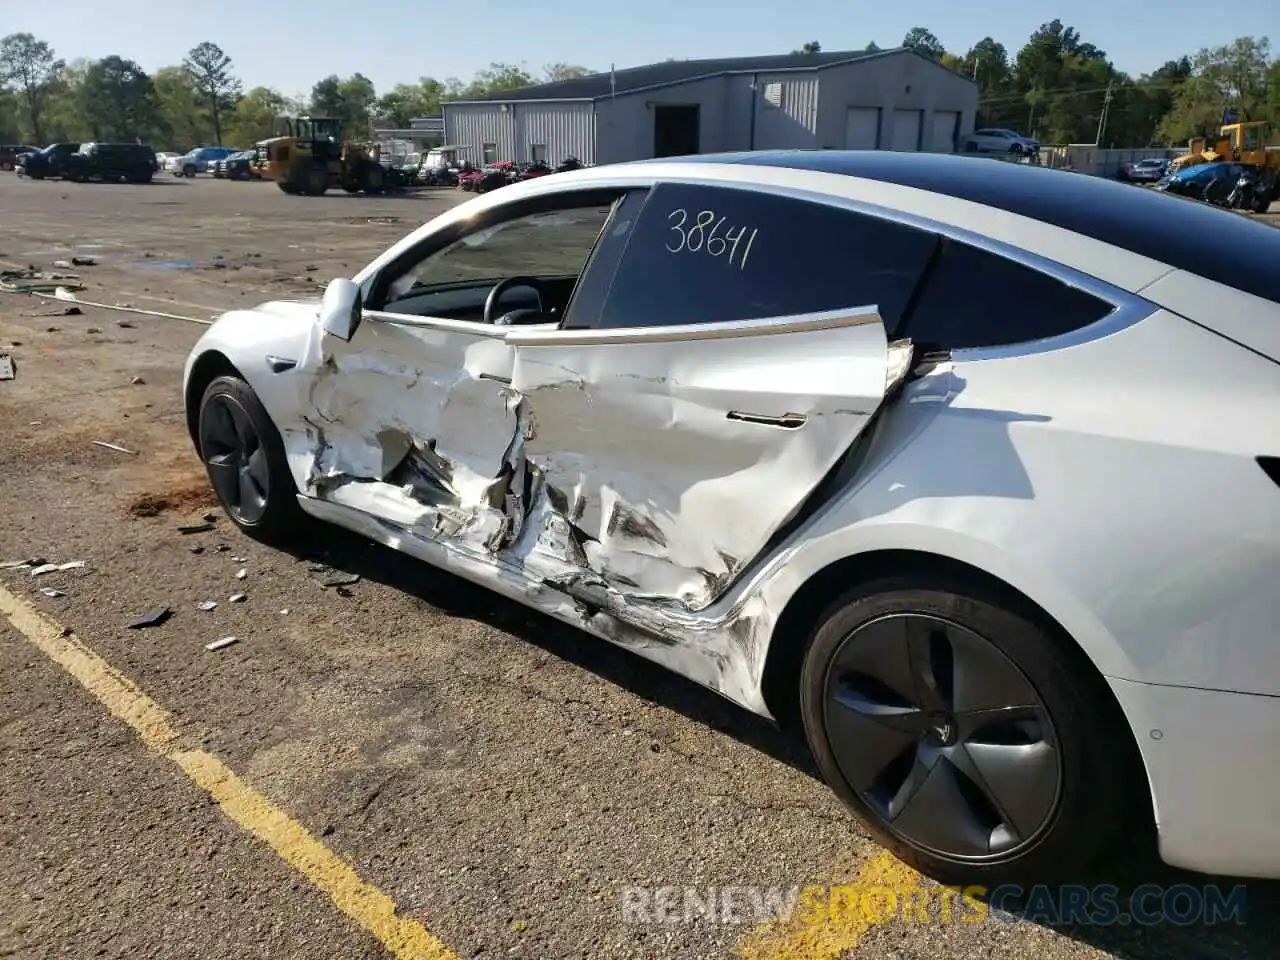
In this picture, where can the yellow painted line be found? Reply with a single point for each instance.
(362, 902)
(818, 935)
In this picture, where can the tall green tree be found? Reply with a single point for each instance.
(923, 41)
(210, 70)
(254, 116)
(554, 72)
(1234, 75)
(29, 69)
(183, 119)
(498, 78)
(118, 100)
(404, 101)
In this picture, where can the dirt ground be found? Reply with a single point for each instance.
(502, 779)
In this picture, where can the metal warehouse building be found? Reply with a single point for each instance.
(887, 100)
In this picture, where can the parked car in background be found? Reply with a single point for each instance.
(199, 159)
(112, 162)
(752, 416)
(164, 159)
(1210, 182)
(999, 140)
(47, 163)
(9, 154)
(239, 166)
(1144, 171)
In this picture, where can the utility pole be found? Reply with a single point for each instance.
(1102, 120)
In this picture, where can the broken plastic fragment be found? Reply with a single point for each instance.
(219, 644)
(236, 598)
(7, 367)
(152, 618)
(341, 580)
(206, 604)
(51, 592)
(241, 573)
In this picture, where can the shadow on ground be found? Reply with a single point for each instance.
(1138, 908)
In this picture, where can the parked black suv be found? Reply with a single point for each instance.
(133, 162)
(49, 162)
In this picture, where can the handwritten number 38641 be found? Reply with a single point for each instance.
(707, 234)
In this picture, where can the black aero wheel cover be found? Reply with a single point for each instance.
(942, 738)
(235, 458)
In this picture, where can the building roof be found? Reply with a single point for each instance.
(1169, 229)
(596, 86)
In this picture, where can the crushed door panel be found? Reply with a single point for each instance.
(675, 453)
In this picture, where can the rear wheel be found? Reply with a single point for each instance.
(189, 170)
(244, 457)
(1016, 150)
(970, 741)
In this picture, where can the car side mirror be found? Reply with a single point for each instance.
(341, 308)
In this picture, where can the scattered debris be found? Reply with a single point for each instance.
(115, 447)
(196, 528)
(152, 618)
(206, 604)
(83, 262)
(222, 548)
(219, 644)
(384, 219)
(136, 380)
(209, 516)
(236, 598)
(43, 567)
(284, 612)
(38, 282)
(52, 592)
(8, 369)
(341, 580)
(93, 330)
(126, 324)
(241, 573)
(197, 549)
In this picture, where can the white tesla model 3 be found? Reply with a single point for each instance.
(971, 469)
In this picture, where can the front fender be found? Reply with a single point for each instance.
(270, 345)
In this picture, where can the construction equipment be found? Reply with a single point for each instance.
(309, 156)
(1237, 143)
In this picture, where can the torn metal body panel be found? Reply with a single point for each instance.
(677, 452)
(414, 423)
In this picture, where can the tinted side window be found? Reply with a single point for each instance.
(973, 298)
(710, 254)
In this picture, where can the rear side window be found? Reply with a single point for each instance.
(974, 298)
(712, 254)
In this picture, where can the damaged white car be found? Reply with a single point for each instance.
(970, 470)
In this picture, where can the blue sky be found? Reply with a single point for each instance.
(291, 44)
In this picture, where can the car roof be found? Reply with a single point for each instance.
(1243, 254)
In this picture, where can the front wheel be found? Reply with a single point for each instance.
(973, 744)
(245, 459)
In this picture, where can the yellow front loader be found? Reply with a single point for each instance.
(309, 157)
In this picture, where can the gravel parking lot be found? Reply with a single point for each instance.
(508, 784)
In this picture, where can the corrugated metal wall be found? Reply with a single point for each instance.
(787, 112)
(565, 128)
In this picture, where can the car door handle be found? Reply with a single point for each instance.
(788, 421)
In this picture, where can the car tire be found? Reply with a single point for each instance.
(1016, 149)
(189, 170)
(867, 700)
(245, 460)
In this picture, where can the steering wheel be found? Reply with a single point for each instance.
(501, 287)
